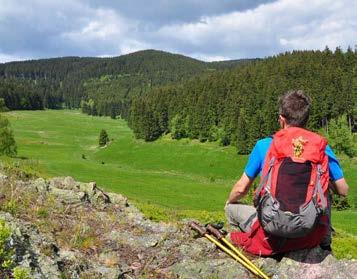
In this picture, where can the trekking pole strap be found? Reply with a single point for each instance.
(196, 227)
(214, 231)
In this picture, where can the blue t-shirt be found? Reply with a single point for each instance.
(257, 156)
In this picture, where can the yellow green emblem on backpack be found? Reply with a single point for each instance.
(298, 146)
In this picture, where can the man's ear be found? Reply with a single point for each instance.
(282, 121)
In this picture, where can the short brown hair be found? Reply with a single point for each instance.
(294, 106)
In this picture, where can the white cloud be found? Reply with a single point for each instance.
(61, 28)
(132, 45)
(102, 24)
(269, 29)
(7, 58)
(209, 58)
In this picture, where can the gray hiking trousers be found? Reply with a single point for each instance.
(241, 216)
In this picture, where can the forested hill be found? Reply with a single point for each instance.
(239, 106)
(64, 82)
(149, 62)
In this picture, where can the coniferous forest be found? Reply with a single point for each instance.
(233, 102)
(65, 82)
(239, 105)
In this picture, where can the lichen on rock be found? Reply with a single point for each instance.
(62, 228)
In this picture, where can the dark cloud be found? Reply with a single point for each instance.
(209, 30)
(267, 30)
(33, 28)
(49, 28)
(162, 12)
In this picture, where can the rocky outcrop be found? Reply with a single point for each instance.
(67, 229)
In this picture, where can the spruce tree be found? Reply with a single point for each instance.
(340, 136)
(103, 138)
(242, 136)
(2, 105)
(178, 127)
(7, 142)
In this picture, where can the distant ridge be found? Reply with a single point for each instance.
(66, 81)
(144, 61)
(153, 53)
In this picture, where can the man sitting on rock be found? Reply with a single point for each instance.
(296, 166)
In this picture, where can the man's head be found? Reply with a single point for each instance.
(294, 108)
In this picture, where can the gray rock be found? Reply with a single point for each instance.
(63, 183)
(221, 268)
(41, 185)
(130, 246)
(28, 243)
(118, 199)
(314, 263)
(107, 272)
(197, 249)
(68, 255)
(67, 196)
(3, 178)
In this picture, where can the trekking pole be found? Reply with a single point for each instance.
(203, 232)
(220, 236)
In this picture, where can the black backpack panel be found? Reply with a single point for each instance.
(292, 184)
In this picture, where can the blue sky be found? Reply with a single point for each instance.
(204, 29)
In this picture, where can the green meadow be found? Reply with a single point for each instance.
(176, 174)
(166, 178)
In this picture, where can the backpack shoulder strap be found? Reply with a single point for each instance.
(265, 182)
(318, 189)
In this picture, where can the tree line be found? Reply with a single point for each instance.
(233, 102)
(238, 106)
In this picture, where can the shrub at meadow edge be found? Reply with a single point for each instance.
(7, 142)
(340, 136)
(103, 138)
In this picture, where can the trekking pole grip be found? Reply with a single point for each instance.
(214, 231)
(197, 228)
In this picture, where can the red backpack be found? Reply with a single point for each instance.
(291, 199)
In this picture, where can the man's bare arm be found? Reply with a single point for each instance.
(240, 188)
(340, 187)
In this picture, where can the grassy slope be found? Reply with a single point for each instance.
(166, 177)
(176, 174)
